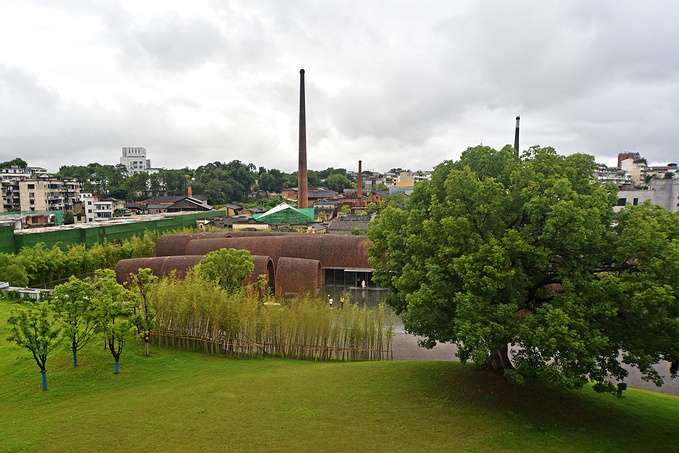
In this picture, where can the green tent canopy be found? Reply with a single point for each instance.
(284, 213)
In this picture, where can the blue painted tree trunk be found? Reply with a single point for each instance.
(75, 359)
(44, 380)
(117, 367)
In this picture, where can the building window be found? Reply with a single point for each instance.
(622, 201)
(31, 186)
(635, 202)
(89, 211)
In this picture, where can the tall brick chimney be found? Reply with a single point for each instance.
(516, 137)
(360, 185)
(190, 191)
(302, 183)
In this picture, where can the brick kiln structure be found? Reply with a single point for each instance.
(293, 263)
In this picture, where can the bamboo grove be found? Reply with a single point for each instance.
(39, 264)
(196, 314)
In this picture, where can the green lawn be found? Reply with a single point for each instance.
(183, 401)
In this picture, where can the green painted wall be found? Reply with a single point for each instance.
(12, 243)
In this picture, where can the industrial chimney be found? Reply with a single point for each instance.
(302, 184)
(360, 185)
(516, 137)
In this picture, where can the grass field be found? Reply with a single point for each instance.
(182, 401)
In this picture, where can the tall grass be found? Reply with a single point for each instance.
(197, 314)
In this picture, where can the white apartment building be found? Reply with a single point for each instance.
(98, 210)
(134, 159)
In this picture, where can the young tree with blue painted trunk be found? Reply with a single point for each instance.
(35, 329)
(113, 308)
(497, 252)
(141, 285)
(73, 304)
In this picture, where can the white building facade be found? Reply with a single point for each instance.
(134, 159)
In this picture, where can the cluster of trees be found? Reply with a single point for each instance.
(210, 304)
(77, 312)
(39, 265)
(222, 183)
(525, 266)
(113, 181)
(18, 162)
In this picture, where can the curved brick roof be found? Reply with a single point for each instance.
(331, 250)
(164, 265)
(175, 244)
(296, 275)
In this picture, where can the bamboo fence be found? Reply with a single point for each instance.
(197, 315)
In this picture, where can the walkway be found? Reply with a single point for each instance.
(405, 348)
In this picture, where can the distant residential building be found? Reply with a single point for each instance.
(160, 204)
(37, 171)
(406, 179)
(635, 168)
(625, 156)
(377, 197)
(348, 224)
(15, 173)
(11, 200)
(618, 177)
(189, 204)
(97, 210)
(404, 190)
(662, 192)
(135, 160)
(313, 195)
(48, 194)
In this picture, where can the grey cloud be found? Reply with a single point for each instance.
(170, 43)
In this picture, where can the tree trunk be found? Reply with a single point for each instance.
(499, 358)
(147, 347)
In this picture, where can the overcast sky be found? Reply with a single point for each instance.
(392, 83)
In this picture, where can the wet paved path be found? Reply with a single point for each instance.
(405, 348)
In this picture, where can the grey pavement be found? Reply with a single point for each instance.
(405, 347)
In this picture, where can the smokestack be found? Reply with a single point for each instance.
(516, 137)
(360, 184)
(190, 191)
(302, 189)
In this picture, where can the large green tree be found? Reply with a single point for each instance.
(227, 267)
(225, 183)
(522, 264)
(19, 162)
(338, 182)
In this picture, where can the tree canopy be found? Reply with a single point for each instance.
(338, 182)
(227, 267)
(523, 264)
(17, 161)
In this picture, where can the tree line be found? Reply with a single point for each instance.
(222, 183)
